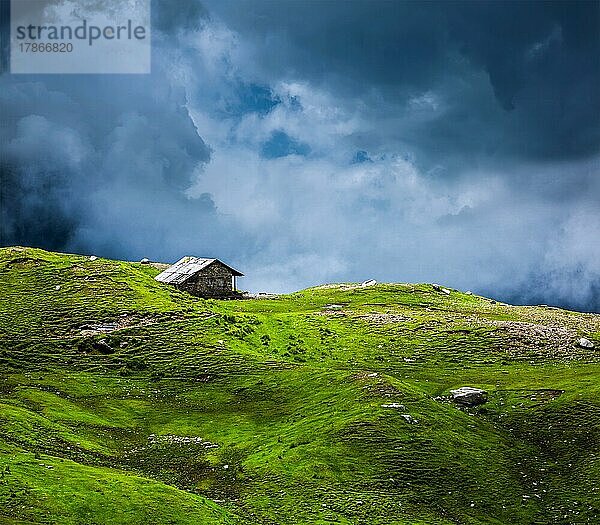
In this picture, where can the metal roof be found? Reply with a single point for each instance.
(187, 266)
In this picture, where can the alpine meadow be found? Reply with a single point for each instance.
(124, 400)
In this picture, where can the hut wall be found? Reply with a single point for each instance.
(213, 281)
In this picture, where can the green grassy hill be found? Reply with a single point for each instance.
(123, 400)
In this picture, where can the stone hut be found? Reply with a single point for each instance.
(202, 277)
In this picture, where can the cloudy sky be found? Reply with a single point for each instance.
(323, 141)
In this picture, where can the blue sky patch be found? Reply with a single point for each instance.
(281, 145)
(253, 98)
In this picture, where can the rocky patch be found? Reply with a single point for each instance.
(383, 318)
(124, 321)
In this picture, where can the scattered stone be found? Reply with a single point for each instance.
(57, 287)
(469, 396)
(383, 318)
(171, 439)
(333, 306)
(446, 291)
(123, 321)
(370, 282)
(92, 257)
(392, 405)
(145, 260)
(100, 328)
(436, 287)
(409, 419)
(259, 295)
(585, 343)
(468, 292)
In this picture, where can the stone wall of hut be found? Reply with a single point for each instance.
(213, 281)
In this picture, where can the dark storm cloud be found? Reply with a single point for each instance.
(102, 162)
(541, 60)
(543, 63)
(76, 157)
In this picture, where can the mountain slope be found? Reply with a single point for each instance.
(123, 400)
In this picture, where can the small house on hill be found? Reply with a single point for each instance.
(201, 277)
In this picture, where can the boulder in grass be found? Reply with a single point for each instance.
(439, 288)
(103, 347)
(333, 306)
(89, 345)
(469, 396)
(585, 343)
(145, 260)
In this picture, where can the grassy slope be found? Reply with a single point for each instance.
(270, 411)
